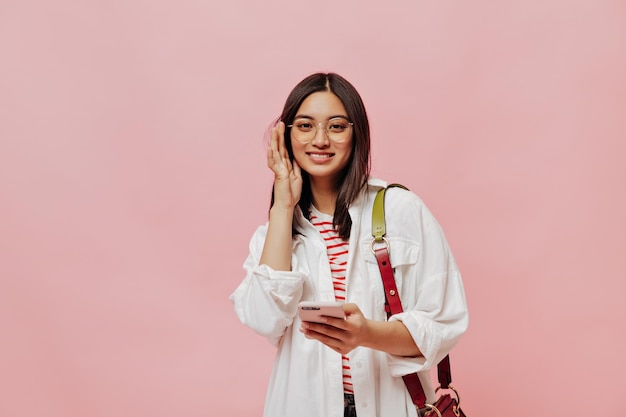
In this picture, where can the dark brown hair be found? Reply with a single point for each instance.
(354, 176)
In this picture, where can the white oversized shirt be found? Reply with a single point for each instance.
(306, 378)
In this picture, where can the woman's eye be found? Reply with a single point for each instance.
(304, 126)
(338, 127)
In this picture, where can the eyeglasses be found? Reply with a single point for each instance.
(304, 129)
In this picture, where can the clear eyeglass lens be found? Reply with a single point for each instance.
(337, 130)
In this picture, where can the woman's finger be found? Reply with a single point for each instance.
(274, 140)
(323, 333)
(270, 159)
(295, 170)
(272, 152)
(280, 132)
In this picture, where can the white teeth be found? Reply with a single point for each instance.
(320, 155)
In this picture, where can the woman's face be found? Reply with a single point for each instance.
(322, 119)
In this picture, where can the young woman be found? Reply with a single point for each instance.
(316, 246)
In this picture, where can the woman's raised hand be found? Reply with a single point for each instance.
(287, 175)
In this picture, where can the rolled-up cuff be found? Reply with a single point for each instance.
(427, 337)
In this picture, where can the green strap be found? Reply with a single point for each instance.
(378, 213)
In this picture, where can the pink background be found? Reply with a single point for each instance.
(132, 175)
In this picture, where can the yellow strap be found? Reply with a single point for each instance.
(378, 213)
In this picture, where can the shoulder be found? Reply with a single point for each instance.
(405, 211)
(407, 216)
(397, 196)
(401, 206)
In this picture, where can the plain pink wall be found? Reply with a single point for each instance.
(132, 175)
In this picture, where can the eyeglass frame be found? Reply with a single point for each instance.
(316, 124)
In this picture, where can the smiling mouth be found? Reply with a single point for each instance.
(320, 156)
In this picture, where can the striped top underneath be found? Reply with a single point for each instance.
(337, 251)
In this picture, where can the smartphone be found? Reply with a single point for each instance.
(314, 310)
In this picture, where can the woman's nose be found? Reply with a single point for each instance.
(320, 138)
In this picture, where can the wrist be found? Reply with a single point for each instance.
(369, 334)
(281, 210)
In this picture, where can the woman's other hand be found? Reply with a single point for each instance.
(343, 335)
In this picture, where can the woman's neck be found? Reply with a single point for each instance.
(324, 196)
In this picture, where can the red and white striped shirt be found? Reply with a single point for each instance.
(337, 250)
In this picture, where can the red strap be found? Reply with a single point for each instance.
(443, 371)
(393, 304)
(414, 386)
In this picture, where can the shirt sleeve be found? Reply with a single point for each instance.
(267, 300)
(435, 308)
